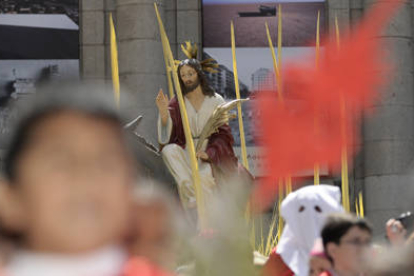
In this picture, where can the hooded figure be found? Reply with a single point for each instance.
(304, 212)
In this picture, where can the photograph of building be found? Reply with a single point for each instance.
(68, 7)
(250, 16)
(38, 36)
(263, 78)
(39, 44)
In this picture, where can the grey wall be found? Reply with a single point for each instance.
(387, 146)
(389, 134)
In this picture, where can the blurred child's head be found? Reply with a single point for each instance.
(154, 225)
(318, 262)
(67, 175)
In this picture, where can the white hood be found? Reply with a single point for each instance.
(304, 212)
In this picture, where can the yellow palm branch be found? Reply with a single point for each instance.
(219, 117)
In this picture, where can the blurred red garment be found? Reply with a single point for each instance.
(320, 113)
(275, 266)
(141, 266)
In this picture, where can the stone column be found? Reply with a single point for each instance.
(356, 13)
(389, 133)
(142, 67)
(341, 10)
(109, 8)
(188, 24)
(357, 9)
(92, 48)
(346, 11)
(171, 26)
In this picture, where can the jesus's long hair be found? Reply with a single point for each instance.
(193, 63)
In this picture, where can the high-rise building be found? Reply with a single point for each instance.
(223, 82)
(263, 78)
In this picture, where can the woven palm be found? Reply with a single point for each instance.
(191, 50)
(219, 117)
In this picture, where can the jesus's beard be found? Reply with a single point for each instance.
(191, 86)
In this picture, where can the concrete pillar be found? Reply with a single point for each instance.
(92, 48)
(341, 10)
(389, 133)
(171, 26)
(109, 8)
(356, 10)
(345, 11)
(142, 67)
(188, 24)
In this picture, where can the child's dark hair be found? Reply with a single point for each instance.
(79, 100)
(337, 225)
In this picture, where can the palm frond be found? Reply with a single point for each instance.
(189, 50)
(186, 53)
(219, 117)
(194, 50)
(209, 60)
(210, 65)
(210, 70)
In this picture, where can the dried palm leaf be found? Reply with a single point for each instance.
(209, 65)
(210, 61)
(189, 50)
(219, 117)
(210, 70)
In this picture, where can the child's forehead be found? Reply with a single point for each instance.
(68, 116)
(70, 126)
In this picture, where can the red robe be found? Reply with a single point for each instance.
(275, 266)
(220, 144)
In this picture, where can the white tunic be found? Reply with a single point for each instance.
(105, 262)
(177, 159)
